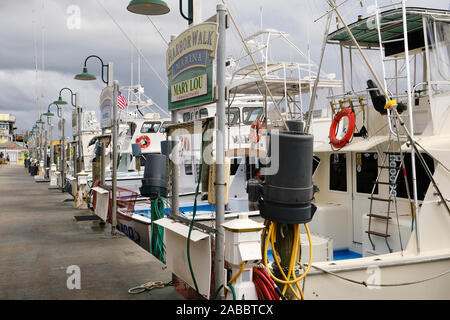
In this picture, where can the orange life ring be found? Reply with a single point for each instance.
(346, 112)
(255, 131)
(145, 143)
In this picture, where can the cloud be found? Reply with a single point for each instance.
(40, 36)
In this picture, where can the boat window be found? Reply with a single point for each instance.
(186, 116)
(164, 126)
(232, 115)
(423, 181)
(316, 162)
(203, 113)
(188, 169)
(366, 172)
(438, 36)
(250, 114)
(338, 172)
(150, 127)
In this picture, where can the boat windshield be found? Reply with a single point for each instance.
(233, 115)
(251, 114)
(150, 127)
(164, 126)
(438, 34)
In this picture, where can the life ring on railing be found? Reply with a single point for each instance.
(185, 144)
(256, 131)
(144, 144)
(346, 112)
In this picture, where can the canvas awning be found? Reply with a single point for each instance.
(366, 33)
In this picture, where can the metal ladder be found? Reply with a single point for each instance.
(394, 173)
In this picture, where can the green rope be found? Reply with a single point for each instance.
(157, 246)
(231, 288)
(188, 251)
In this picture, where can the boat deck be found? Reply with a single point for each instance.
(40, 239)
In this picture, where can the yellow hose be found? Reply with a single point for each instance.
(271, 235)
(237, 274)
(293, 255)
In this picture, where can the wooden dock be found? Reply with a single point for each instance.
(40, 240)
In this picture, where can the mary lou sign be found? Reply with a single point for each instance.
(189, 66)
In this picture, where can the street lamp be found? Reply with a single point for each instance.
(153, 7)
(62, 141)
(42, 137)
(74, 100)
(85, 75)
(49, 115)
(159, 7)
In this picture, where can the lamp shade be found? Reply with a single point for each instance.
(148, 7)
(84, 76)
(40, 121)
(49, 114)
(59, 101)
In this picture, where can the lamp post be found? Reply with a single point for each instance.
(107, 69)
(74, 99)
(40, 125)
(42, 143)
(34, 144)
(49, 115)
(62, 143)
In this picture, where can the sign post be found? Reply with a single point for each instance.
(220, 148)
(108, 114)
(189, 64)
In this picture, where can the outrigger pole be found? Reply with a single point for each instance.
(316, 81)
(257, 68)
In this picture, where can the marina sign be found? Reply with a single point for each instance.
(189, 88)
(189, 63)
(106, 103)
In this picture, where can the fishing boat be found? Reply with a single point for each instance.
(383, 174)
(379, 218)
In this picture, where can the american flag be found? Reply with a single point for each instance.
(121, 101)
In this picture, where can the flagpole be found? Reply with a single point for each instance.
(114, 155)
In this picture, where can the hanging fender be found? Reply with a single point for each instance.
(346, 112)
(144, 141)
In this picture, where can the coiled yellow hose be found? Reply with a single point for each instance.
(271, 237)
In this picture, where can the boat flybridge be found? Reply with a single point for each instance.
(383, 173)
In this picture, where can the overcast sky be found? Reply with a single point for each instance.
(46, 35)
